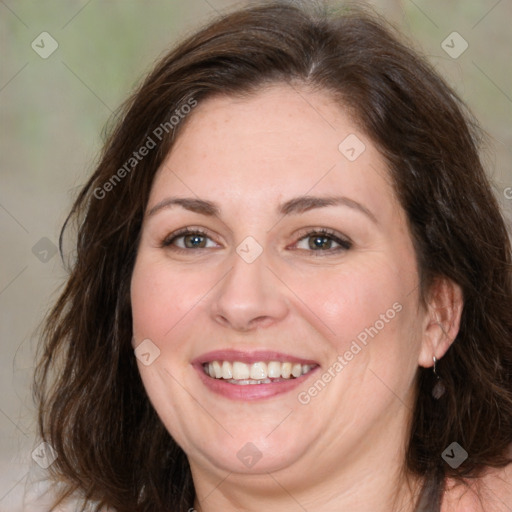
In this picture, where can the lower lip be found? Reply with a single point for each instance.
(250, 391)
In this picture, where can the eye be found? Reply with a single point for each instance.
(189, 239)
(323, 240)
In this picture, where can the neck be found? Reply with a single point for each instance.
(233, 494)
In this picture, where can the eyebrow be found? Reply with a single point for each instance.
(293, 206)
(304, 203)
(194, 205)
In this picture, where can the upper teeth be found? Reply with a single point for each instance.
(257, 371)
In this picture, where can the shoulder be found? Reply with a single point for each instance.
(491, 492)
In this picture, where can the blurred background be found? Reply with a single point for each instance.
(67, 65)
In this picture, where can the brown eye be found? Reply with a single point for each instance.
(320, 242)
(323, 241)
(193, 241)
(189, 239)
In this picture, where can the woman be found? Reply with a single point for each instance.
(292, 286)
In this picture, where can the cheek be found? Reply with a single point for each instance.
(367, 314)
(353, 298)
(162, 298)
(366, 309)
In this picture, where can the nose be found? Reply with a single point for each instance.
(250, 296)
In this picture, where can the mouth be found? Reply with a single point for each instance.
(250, 376)
(261, 372)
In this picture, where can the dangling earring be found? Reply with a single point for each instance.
(438, 390)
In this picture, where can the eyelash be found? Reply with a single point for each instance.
(344, 243)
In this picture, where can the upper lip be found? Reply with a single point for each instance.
(250, 357)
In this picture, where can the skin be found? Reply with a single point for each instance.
(491, 492)
(343, 450)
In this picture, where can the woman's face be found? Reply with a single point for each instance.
(282, 332)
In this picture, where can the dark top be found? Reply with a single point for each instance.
(430, 499)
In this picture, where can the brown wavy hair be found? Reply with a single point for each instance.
(93, 409)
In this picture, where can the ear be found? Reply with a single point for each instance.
(442, 320)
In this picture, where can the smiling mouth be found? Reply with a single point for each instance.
(261, 372)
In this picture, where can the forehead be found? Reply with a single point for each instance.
(280, 142)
